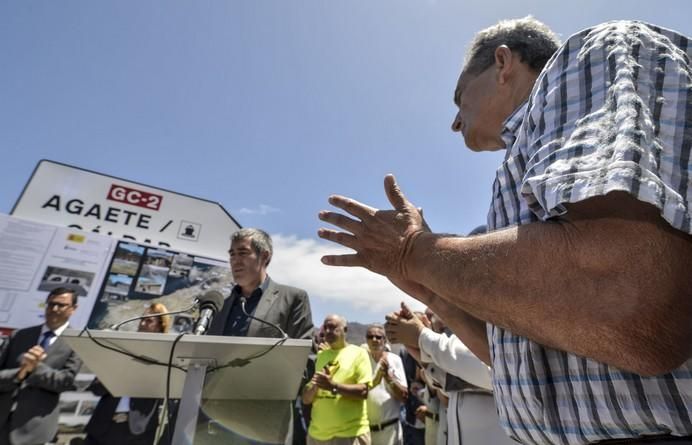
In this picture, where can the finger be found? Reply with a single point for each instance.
(349, 260)
(391, 318)
(355, 208)
(394, 194)
(339, 220)
(345, 239)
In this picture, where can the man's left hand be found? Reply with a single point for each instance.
(381, 238)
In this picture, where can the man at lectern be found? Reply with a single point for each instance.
(34, 369)
(285, 306)
(257, 297)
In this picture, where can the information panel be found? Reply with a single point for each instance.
(36, 258)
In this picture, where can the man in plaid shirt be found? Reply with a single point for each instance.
(582, 284)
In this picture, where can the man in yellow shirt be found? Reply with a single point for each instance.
(338, 390)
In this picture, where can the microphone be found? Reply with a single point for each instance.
(209, 304)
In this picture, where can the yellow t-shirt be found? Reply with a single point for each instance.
(334, 415)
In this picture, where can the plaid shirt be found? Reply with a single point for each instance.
(612, 110)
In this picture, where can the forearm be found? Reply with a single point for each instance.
(56, 380)
(453, 357)
(309, 393)
(358, 391)
(8, 379)
(398, 391)
(470, 330)
(571, 285)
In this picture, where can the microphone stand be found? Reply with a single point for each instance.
(243, 300)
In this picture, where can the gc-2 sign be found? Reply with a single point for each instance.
(139, 198)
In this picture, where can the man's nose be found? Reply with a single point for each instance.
(456, 123)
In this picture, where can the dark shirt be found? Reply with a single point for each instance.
(412, 401)
(237, 323)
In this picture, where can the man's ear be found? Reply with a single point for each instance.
(504, 63)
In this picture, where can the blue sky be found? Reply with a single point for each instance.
(267, 107)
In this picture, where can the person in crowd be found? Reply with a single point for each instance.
(338, 390)
(433, 411)
(125, 420)
(413, 424)
(388, 390)
(582, 280)
(258, 307)
(471, 413)
(35, 367)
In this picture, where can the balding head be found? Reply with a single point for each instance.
(335, 327)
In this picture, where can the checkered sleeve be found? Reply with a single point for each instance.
(612, 111)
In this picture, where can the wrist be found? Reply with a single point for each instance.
(406, 253)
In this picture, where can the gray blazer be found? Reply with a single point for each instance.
(35, 420)
(285, 306)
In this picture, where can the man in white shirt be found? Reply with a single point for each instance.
(387, 392)
(471, 413)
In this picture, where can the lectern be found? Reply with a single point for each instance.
(211, 367)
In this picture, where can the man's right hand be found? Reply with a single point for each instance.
(30, 360)
(420, 413)
(404, 330)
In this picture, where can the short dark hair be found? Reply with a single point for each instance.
(259, 240)
(532, 40)
(63, 290)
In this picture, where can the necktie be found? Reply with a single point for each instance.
(47, 337)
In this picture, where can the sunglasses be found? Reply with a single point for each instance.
(376, 337)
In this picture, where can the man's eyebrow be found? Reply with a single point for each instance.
(461, 85)
(457, 93)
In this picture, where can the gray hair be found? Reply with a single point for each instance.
(341, 319)
(376, 325)
(259, 240)
(532, 40)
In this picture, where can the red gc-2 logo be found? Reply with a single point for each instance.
(135, 197)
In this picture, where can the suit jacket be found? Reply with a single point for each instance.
(35, 419)
(285, 306)
(101, 428)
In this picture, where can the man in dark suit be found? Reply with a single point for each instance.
(284, 306)
(34, 369)
(287, 307)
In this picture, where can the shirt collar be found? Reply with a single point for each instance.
(511, 125)
(57, 331)
(262, 288)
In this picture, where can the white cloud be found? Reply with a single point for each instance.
(297, 261)
(263, 209)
